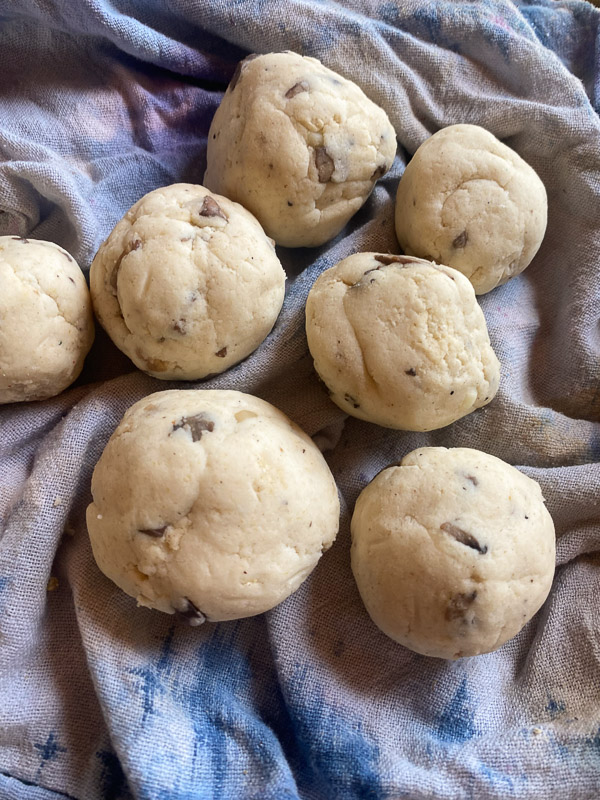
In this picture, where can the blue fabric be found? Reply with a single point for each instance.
(103, 101)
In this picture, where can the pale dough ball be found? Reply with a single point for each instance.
(400, 341)
(471, 202)
(187, 284)
(452, 551)
(212, 504)
(298, 145)
(46, 321)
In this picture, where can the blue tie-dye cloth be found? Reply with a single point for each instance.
(104, 100)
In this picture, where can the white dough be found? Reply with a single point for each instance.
(210, 503)
(471, 202)
(187, 284)
(46, 321)
(452, 551)
(298, 145)
(400, 342)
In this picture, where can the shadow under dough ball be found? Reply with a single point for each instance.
(452, 551)
(471, 202)
(211, 504)
(187, 284)
(400, 341)
(299, 145)
(46, 321)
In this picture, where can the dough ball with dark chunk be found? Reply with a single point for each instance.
(452, 551)
(211, 504)
(471, 202)
(298, 145)
(46, 321)
(187, 284)
(400, 341)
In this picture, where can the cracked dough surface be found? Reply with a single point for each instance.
(298, 145)
(46, 322)
(452, 551)
(187, 284)
(471, 202)
(211, 503)
(400, 341)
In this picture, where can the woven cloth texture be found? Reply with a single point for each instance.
(102, 101)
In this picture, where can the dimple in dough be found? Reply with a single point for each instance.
(187, 284)
(471, 202)
(46, 321)
(298, 145)
(452, 551)
(400, 341)
(212, 504)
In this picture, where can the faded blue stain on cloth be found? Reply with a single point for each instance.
(220, 717)
(50, 750)
(5, 583)
(343, 760)
(555, 707)
(456, 722)
(151, 677)
(501, 782)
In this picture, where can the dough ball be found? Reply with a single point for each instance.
(452, 551)
(471, 202)
(46, 321)
(212, 504)
(298, 145)
(187, 284)
(400, 341)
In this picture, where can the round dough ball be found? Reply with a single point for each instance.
(212, 504)
(452, 551)
(187, 284)
(400, 341)
(471, 202)
(46, 321)
(299, 145)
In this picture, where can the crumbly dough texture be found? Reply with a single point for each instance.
(471, 202)
(212, 504)
(46, 321)
(187, 284)
(298, 145)
(400, 341)
(452, 551)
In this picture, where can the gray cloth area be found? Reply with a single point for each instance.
(102, 102)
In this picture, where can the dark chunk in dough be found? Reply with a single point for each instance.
(196, 425)
(464, 537)
(325, 164)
